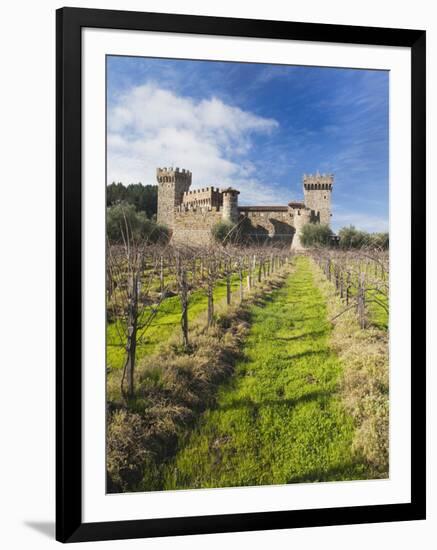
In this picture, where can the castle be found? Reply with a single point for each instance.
(191, 215)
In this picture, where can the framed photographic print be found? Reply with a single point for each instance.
(240, 274)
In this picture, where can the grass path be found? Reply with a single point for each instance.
(279, 419)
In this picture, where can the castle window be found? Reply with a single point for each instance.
(324, 196)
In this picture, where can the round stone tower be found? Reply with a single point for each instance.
(302, 216)
(230, 205)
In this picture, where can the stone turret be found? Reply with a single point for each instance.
(317, 191)
(302, 216)
(172, 184)
(230, 211)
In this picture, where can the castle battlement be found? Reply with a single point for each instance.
(172, 170)
(205, 197)
(318, 181)
(196, 208)
(191, 213)
(198, 192)
(170, 175)
(230, 191)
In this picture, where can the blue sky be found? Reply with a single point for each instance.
(256, 127)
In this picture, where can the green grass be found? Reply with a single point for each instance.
(378, 316)
(280, 419)
(164, 325)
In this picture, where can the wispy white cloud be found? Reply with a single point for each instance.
(150, 126)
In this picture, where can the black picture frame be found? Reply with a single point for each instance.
(69, 525)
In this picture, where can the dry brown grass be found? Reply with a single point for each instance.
(365, 383)
(126, 449)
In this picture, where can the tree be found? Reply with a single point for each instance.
(120, 214)
(132, 264)
(315, 235)
(116, 192)
(380, 240)
(350, 237)
(143, 197)
(224, 232)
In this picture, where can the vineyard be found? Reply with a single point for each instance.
(361, 279)
(230, 366)
(154, 292)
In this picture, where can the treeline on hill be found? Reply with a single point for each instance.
(133, 207)
(349, 237)
(143, 197)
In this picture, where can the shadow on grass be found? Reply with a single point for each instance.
(340, 472)
(309, 353)
(290, 402)
(304, 335)
(306, 318)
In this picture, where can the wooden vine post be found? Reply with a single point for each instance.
(361, 301)
(228, 282)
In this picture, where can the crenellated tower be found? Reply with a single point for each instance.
(172, 184)
(317, 191)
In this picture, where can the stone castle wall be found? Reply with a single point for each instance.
(208, 196)
(191, 215)
(262, 222)
(193, 227)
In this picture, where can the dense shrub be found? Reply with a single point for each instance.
(123, 215)
(350, 237)
(224, 232)
(379, 240)
(316, 235)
